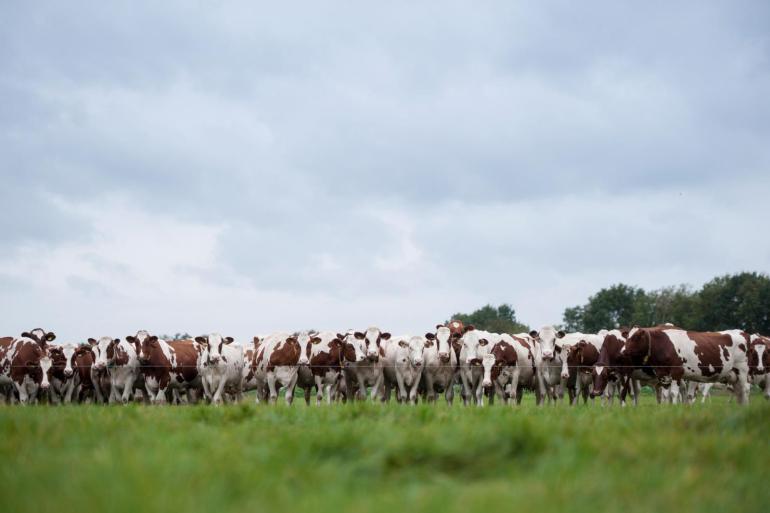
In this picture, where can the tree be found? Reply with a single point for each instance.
(612, 307)
(501, 319)
(573, 319)
(735, 301)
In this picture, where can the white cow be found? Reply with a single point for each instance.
(440, 364)
(402, 367)
(475, 344)
(119, 359)
(548, 361)
(220, 366)
(275, 365)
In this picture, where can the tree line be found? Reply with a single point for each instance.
(731, 301)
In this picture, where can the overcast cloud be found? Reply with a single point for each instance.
(248, 168)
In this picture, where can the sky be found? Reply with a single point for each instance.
(248, 167)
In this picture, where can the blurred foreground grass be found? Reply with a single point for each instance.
(371, 457)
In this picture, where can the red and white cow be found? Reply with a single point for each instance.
(402, 366)
(674, 354)
(359, 372)
(83, 361)
(25, 363)
(579, 352)
(475, 345)
(510, 367)
(440, 369)
(549, 362)
(275, 365)
(62, 373)
(759, 362)
(120, 361)
(249, 381)
(220, 366)
(320, 364)
(169, 367)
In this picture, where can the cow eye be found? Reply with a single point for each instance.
(482, 342)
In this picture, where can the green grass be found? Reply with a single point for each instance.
(366, 457)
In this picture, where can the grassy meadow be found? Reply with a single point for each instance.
(371, 457)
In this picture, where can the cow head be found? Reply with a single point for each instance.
(476, 344)
(759, 355)
(104, 349)
(411, 350)
(610, 358)
(212, 344)
(546, 339)
(83, 360)
(147, 346)
(353, 347)
(488, 362)
(372, 339)
(306, 341)
(40, 336)
(443, 346)
(58, 362)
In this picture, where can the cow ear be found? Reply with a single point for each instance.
(341, 337)
(153, 338)
(316, 340)
(51, 336)
(402, 343)
(430, 336)
(26, 334)
(92, 341)
(439, 326)
(468, 328)
(131, 339)
(117, 341)
(534, 334)
(456, 335)
(359, 335)
(560, 334)
(201, 340)
(385, 336)
(229, 340)
(256, 340)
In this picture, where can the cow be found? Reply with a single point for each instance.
(25, 365)
(440, 369)
(367, 371)
(83, 360)
(275, 364)
(320, 364)
(7, 388)
(579, 352)
(249, 380)
(475, 344)
(673, 354)
(759, 362)
(169, 367)
(220, 366)
(510, 367)
(498, 366)
(100, 378)
(121, 362)
(549, 362)
(402, 365)
(62, 373)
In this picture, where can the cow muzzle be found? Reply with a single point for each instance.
(44, 386)
(564, 375)
(443, 357)
(373, 357)
(68, 373)
(418, 363)
(547, 356)
(474, 361)
(486, 383)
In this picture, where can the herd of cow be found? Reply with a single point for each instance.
(372, 363)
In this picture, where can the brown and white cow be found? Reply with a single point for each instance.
(25, 363)
(248, 378)
(674, 354)
(119, 359)
(320, 364)
(276, 363)
(83, 361)
(759, 362)
(579, 352)
(221, 367)
(362, 368)
(511, 367)
(62, 373)
(169, 367)
(440, 370)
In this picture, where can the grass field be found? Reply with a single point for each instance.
(366, 457)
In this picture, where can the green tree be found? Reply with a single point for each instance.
(612, 307)
(735, 301)
(501, 319)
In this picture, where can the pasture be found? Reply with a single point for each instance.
(373, 457)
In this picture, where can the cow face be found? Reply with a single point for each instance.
(306, 341)
(546, 339)
(46, 364)
(147, 347)
(759, 355)
(41, 336)
(412, 350)
(476, 345)
(104, 350)
(353, 347)
(68, 351)
(488, 362)
(213, 345)
(442, 342)
(372, 339)
(58, 362)
(83, 359)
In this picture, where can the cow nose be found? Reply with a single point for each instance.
(565, 375)
(486, 383)
(418, 363)
(68, 373)
(547, 356)
(44, 386)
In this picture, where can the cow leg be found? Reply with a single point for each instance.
(742, 389)
(466, 387)
(289, 395)
(413, 392)
(273, 398)
(541, 387)
(430, 390)
(449, 394)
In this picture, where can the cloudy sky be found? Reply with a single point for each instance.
(251, 168)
